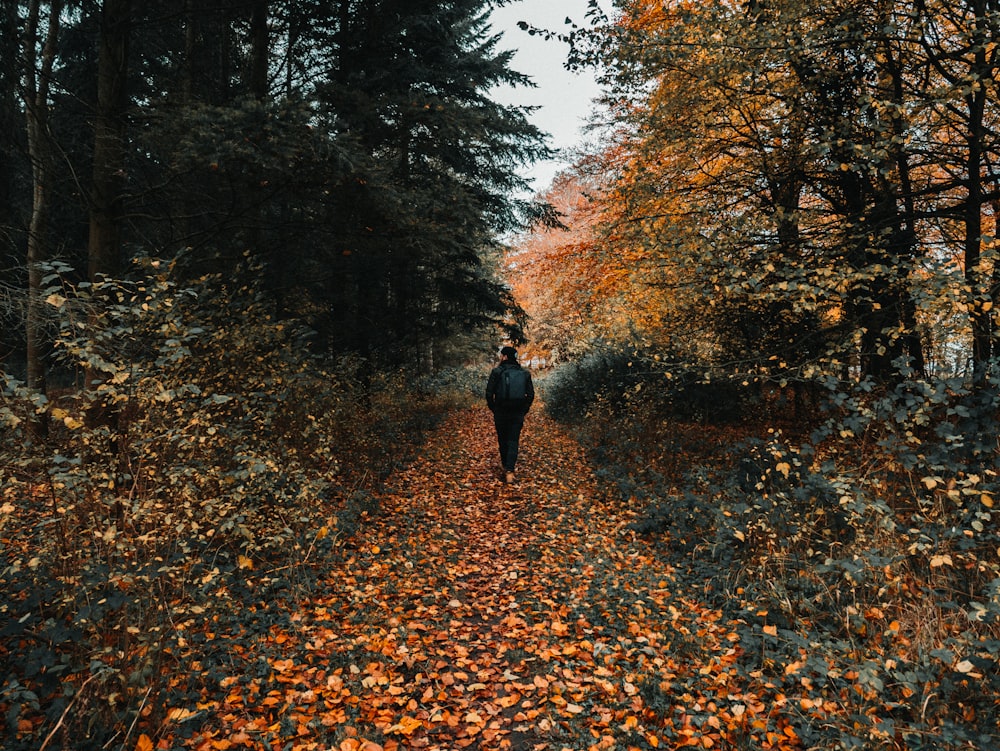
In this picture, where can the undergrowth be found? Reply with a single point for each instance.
(210, 463)
(856, 554)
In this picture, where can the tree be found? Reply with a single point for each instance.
(769, 173)
(345, 157)
(108, 179)
(959, 43)
(39, 52)
(13, 198)
(430, 190)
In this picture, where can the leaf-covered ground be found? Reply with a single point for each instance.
(472, 614)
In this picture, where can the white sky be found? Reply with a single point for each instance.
(565, 99)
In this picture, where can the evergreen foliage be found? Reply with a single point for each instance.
(370, 175)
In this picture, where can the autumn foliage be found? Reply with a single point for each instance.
(473, 615)
(756, 505)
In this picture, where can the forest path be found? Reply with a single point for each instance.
(479, 615)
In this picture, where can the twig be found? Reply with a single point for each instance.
(65, 712)
(138, 714)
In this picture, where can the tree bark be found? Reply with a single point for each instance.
(107, 190)
(259, 50)
(972, 219)
(37, 77)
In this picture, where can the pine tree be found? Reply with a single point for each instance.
(432, 189)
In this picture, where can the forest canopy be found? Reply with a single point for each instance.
(344, 157)
(796, 189)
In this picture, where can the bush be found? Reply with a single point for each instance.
(210, 463)
(623, 379)
(858, 567)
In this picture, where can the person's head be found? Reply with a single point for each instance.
(509, 354)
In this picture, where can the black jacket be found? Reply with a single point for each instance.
(493, 383)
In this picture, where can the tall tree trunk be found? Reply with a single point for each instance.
(37, 77)
(104, 248)
(104, 252)
(258, 84)
(904, 232)
(9, 116)
(190, 45)
(972, 219)
(259, 41)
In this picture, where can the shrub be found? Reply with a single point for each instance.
(625, 379)
(858, 566)
(210, 463)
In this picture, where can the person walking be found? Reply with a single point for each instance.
(509, 394)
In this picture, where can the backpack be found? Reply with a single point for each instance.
(513, 385)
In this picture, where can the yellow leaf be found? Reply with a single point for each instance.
(941, 560)
(986, 500)
(771, 630)
(784, 468)
(930, 482)
(245, 562)
(179, 715)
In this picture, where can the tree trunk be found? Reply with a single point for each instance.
(9, 115)
(190, 45)
(977, 281)
(259, 51)
(37, 77)
(104, 248)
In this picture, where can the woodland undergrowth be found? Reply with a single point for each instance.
(228, 545)
(849, 539)
(208, 475)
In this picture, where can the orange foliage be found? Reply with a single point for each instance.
(586, 279)
(489, 616)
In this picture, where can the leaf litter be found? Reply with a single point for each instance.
(475, 614)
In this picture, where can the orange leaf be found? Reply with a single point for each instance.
(509, 700)
(406, 726)
(145, 743)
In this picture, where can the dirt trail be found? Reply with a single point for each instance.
(479, 615)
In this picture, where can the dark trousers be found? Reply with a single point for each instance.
(508, 425)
